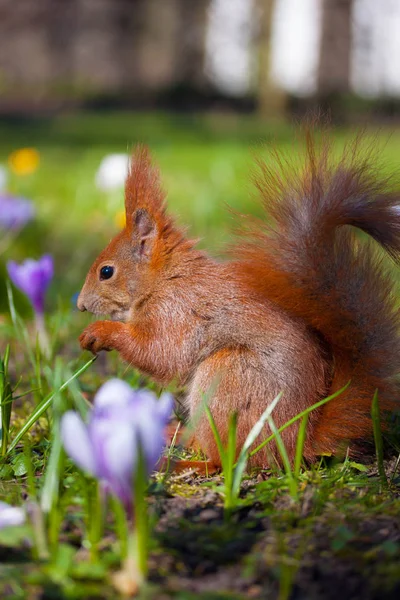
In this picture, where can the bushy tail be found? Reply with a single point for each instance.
(307, 259)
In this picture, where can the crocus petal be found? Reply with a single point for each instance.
(144, 398)
(114, 394)
(76, 441)
(11, 516)
(21, 275)
(32, 277)
(121, 421)
(25, 277)
(12, 269)
(114, 443)
(14, 212)
(117, 403)
(165, 406)
(152, 440)
(120, 451)
(121, 455)
(150, 431)
(46, 266)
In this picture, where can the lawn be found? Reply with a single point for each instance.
(329, 530)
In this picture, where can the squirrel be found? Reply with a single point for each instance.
(304, 305)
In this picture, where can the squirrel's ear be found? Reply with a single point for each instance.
(144, 234)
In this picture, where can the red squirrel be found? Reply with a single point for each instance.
(304, 306)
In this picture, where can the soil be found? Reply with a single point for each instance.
(340, 539)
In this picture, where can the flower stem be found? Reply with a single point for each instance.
(141, 517)
(129, 580)
(95, 528)
(121, 526)
(133, 561)
(43, 337)
(39, 532)
(134, 568)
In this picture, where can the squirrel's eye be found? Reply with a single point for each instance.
(106, 272)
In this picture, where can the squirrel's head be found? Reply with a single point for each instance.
(127, 269)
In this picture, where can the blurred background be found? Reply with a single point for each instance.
(203, 82)
(270, 56)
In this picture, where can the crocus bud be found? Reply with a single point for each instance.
(32, 277)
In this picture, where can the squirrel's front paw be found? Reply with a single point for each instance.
(97, 336)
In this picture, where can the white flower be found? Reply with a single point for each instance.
(3, 178)
(112, 172)
(10, 516)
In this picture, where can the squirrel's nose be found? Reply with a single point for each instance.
(80, 304)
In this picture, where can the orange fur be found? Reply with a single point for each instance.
(303, 307)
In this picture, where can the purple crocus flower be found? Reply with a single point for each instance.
(15, 212)
(122, 420)
(11, 516)
(33, 277)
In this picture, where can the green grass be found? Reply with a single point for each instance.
(285, 532)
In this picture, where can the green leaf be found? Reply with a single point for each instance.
(18, 465)
(358, 466)
(15, 536)
(62, 561)
(390, 548)
(6, 471)
(89, 571)
(343, 535)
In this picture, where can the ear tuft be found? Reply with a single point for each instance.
(143, 187)
(143, 234)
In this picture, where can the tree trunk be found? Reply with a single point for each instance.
(271, 98)
(192, 37)
(335, 48)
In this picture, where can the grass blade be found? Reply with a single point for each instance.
(285, 458)
(44, 405)
(300, 416)
(50, 489)
(6, 400)
(251, 438)
(301, 438)
(231, 449)
(49, 495)
(230, 461)
(217, 437)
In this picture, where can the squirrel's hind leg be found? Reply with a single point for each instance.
(235, 380)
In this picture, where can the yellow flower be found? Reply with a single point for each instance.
(24, 161)
(120, 219)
